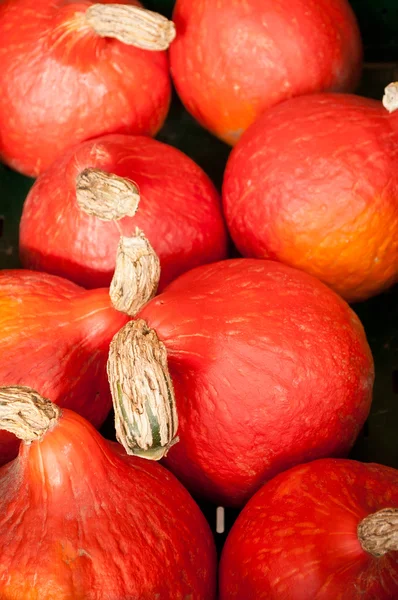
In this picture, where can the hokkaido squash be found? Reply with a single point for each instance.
(231, 60)
(73, 70)
(326, 530)
(313, 183)
(269, 368)
(55, 336)
(81, 201)
(83, 521)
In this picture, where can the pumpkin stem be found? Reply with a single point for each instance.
(137, 270)
(131, 25)
(390, 98)
(146, 419)
(378, 533)
(137, 273)
(105, 195)
(25, 413)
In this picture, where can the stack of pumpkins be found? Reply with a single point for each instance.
(250, 378)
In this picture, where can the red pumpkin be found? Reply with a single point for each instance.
(232, 60)
(270, 368)
(55, 336)
(179, 211)
(313, 183)
(96, 524)
(65, 77)
(326, 530)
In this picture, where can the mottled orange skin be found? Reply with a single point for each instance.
(270, 369)
(54, 337)
(233, 59)
(297, 538)
(83, 521)
(314, 184)
(60, 83)
(179, 212)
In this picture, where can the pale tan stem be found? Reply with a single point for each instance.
(390, 98)
(137, 274)
(105, 195)
(378, 533)
(146, 417)
(25, 413)
(131, 25)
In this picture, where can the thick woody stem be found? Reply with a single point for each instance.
(137, 274)
(390, 98)
(378, 533)
(105, 195)
(25, 413)
(131, 25)
(146, 418)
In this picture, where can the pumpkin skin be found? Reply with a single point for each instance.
(98, 524)
(313, 183)
(297, 537)
(61, 83)
(55, 336)
(270, 368)
(179, 212)
(232, 60)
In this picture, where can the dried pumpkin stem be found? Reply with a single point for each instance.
(105, 195)
(25, 413)
(390, 98)
(137, 274)
(131, 25)
(146, 418)
(378, 533)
